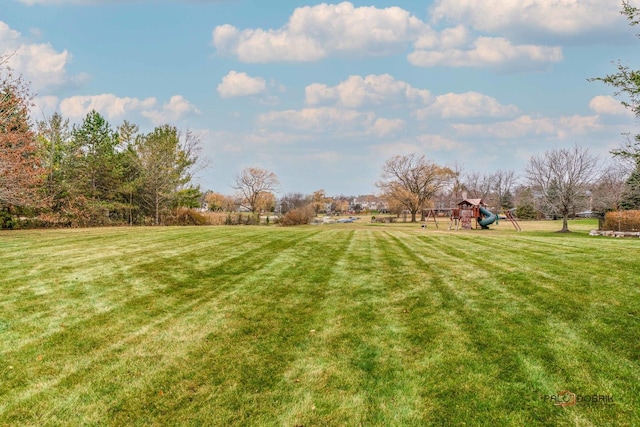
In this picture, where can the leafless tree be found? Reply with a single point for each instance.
(457, 185)
(478, 185)
(252, 184)
(563, 177)
(292, 201)
(502, 186)
(608, 191)
(412, 180)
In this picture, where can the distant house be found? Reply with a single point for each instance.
(368, 202)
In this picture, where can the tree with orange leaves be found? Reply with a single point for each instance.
(21, 170)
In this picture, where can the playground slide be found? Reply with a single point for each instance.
(489, 217)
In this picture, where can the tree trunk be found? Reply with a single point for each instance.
(565, 224)
(413, 216)
(157, 210)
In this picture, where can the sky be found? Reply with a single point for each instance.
(322, 94)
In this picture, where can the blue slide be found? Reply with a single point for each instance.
(489, 218)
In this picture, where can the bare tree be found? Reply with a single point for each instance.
(478, 185)
(292, 201)
(563, 177)
(457, 186)
(502, 185)
(608, 191)
(252, 184)
(412, 180)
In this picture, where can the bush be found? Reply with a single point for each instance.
(7, 221)
(299, 216)
(622, 221)
(526, 211)
(215, 218)
(185, 216)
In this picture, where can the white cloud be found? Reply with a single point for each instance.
(542, 17)
(447, 39)
(357, 91)
(90, 2)
(7, 35)
(39, 63)
(177, 108)
(437, 143)
(44, 106)
(395, 148)
(384, 127)
(240, 84)
(423, 143)
(315, 32)
(609, 105)
(494, 52)
(527, 126)
(269, 139)
(109, 105)
(462, 105)
(114, 107)
(324, 119)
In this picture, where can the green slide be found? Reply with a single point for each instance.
(489, 217)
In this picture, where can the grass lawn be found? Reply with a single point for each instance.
(332, 325)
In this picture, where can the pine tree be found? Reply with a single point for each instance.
(631, 195)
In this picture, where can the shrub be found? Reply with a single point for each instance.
(299, 216)
(525, 211)
(7, 220)
(215, 218)
(622, 221)
(185, 216)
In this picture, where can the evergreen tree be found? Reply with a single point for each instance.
(631, 194)
(95, 174)
(627, 84)
(166, 160)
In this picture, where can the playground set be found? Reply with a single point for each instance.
(469, 210)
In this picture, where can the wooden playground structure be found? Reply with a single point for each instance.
(467, 211)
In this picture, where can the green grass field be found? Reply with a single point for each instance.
(333, 325)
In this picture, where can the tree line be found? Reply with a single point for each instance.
(89, 174)
(92, 174)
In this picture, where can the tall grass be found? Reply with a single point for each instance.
(349, 324)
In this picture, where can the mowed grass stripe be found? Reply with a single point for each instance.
(231, 275)
(353, 374)
(316, 326)
(116, 272)
(241, 370)
(84, 336)
(535, 326)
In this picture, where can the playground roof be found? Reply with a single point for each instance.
(472, 202)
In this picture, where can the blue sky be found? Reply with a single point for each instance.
(323, 93)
